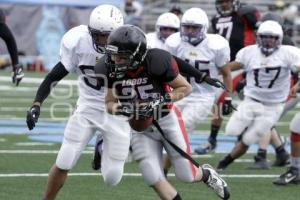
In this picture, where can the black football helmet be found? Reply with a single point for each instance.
(127, 42)
(226, 7)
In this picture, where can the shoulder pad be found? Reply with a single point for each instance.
(216, 41)
(173, 40)
(246, 9)
(73, 36)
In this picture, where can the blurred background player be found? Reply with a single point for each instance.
(81, 47)
(236, 23)
(206, 52)
(166, 24)
(176, 9)
(7, 36)
(268, 65)
(272, 137)
(292, 175)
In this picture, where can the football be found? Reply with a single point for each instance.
(140, 124)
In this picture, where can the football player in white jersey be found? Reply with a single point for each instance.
(166, 24)
(268, 65)
(206, 52)
(80, 49)
(292, 175)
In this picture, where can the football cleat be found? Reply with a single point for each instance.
(259, 163)
(96, 162)
(216, 182)
(282, 159)
(206, 148)
(290, 176)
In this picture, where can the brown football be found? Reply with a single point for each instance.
(140, 124)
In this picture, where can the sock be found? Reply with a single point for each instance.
(295, 162)
(177, 197)
(280, 149)
(226, 161)
(205, 175)
(262, 153)
(214, 130)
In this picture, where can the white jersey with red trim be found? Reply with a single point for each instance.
(78, 55)
(268, 77)
(208, 56)
(154, 42)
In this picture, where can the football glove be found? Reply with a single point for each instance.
(215, 82)
(240, 85)
(17, 74)
(32, 116)
(227, 107)
(125, 110)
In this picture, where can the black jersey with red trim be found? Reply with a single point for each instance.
(238, 28)
(149, 81)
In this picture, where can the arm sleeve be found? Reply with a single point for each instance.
(10, 42)
(187, 69)
(55, 75)
(251, 15)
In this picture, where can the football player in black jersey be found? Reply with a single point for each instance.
(137, 74)
(237, 23)
(7, 36)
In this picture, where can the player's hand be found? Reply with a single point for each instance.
(215, 82)
(32, 116)
(126, 110)
(17, 74)
(227, 107)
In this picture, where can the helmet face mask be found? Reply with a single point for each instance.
(192, 33)
(103, 20)
(227, 7)
(194, 26)
(126, 49)
(269, 37)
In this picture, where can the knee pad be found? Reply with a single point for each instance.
(295, 137)
(294, 125)
(112, 174)
(67, 156)
(151, 171)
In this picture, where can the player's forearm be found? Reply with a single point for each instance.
(181, 88)
(227, 79)
(112, 107)
(52, 78)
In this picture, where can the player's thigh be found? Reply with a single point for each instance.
(176, 133)
(77, 134)
(195, 112)
(264, 120)
(295, 123)
(148, 153)
(241, 118)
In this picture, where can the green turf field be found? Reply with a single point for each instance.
(24, 163)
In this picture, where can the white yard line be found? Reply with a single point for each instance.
(39, 80)
(134, 175)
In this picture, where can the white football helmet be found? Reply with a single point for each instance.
(194, 17)
(103, 20)
(269, 36)
(166, 20)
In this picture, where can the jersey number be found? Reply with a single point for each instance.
(256, 75)
(90, 77)
(197, 66)
(225, 29)
(143, 91)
